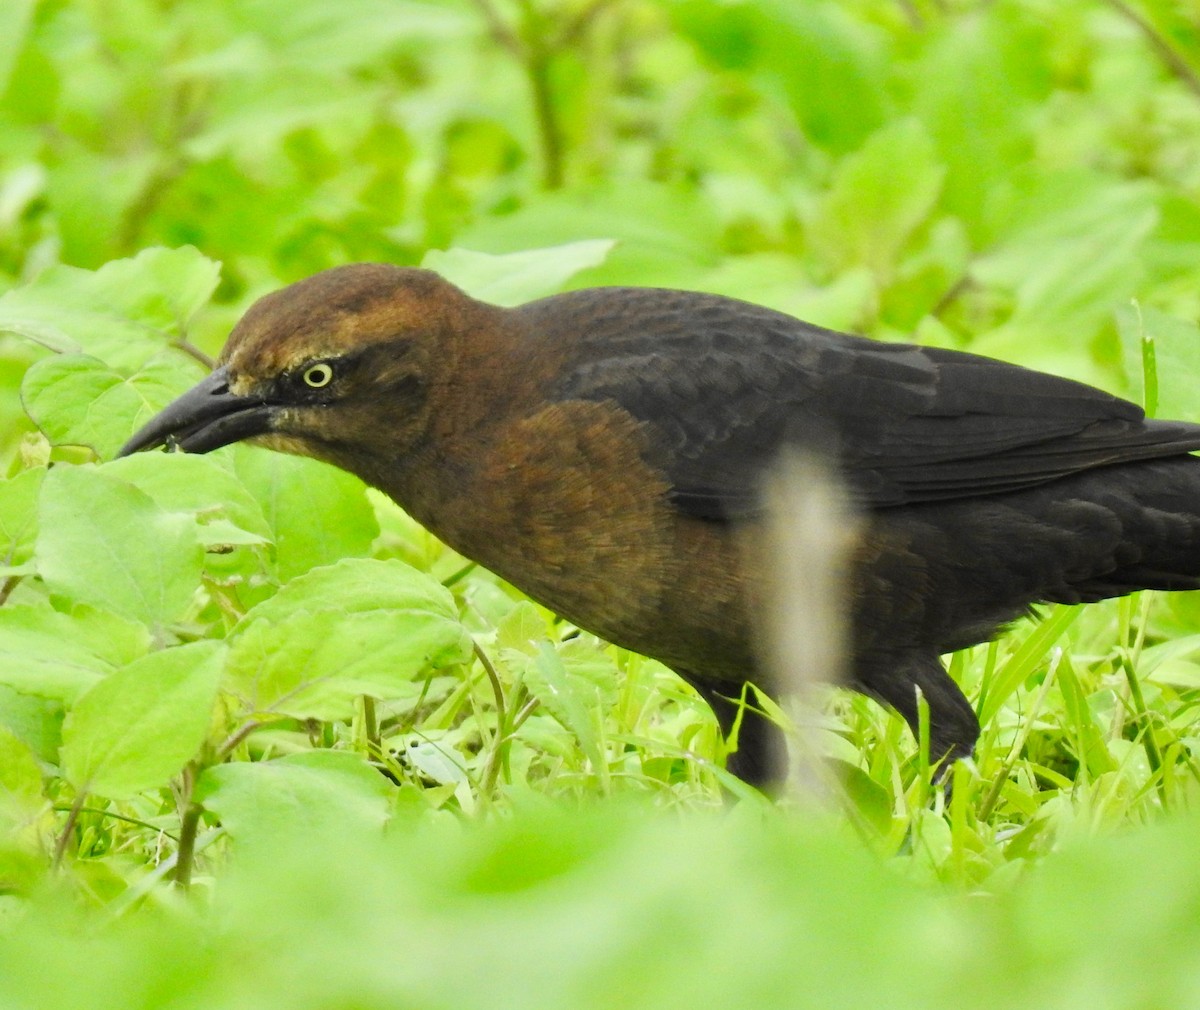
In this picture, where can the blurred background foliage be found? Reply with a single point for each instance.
(1019, 178)
(999, 175)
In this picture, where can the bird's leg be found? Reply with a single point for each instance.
(761, 756)
(894, 680)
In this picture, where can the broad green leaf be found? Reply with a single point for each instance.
(105, 542)
(522, 629)
(362, 585)
(124, 313)
(340, 631)
(828, 64)
(18, 516)
(1079, 282)
(664, 234)
(975, 84)
(59, 656)
(317, 514)
(880, 195)
(202, 487)
(576, 685)
(517, 277)
(78, 400)
(36, 721)
(319, 789)
(136, 729)
(316, 665)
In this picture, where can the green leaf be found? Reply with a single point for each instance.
(577, 685)
(78, 400)
(35, 721)
(104, 542)
(20, 781)
(319, 789)
(18, 516)
(522, 629)
(317, 514)
(361, 585)
(344, 630)
(827, 63)
(517, 277)
(136, 729)
(974, 88)
(123, 313)
(880, 195)
(59, 656)
(316, 665)
(1033, 652)
(202, 487)
(664, 234)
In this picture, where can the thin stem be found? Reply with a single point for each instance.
(574, 28)
(537, 68)
(237, 737)
(494, 678)
(101, 812)
(466, 569)
(60, 848)
(500, 30)
(190, 349)
(7, 587)
(1161, 44)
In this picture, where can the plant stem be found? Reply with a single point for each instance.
(1161, 45)
(60, 848)
(185, 859)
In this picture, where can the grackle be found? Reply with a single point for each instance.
(602, 450)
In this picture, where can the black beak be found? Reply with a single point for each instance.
(206, 417)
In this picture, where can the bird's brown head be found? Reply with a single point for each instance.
(327, 367)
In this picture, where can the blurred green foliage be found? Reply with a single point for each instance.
(374, 763)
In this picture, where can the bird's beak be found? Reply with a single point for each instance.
(206, 417)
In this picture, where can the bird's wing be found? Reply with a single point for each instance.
(722, 386)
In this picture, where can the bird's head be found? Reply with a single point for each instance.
(327, 367)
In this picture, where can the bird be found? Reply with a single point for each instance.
(603, 451)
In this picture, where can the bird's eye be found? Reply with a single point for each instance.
(318, 375)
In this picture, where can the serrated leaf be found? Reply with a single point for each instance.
(522, 628)
(362, 585)
(199, 486)
(136, 729)
(105, 542)
(317, 514)
(60, 656)
(301, 791)
(124, 313)
(357, 627)
(517, 277)
(76, 399)
(316, 665)
(576, 685)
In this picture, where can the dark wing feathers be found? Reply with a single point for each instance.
(723, 385)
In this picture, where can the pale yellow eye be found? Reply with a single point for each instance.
(318, 375)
